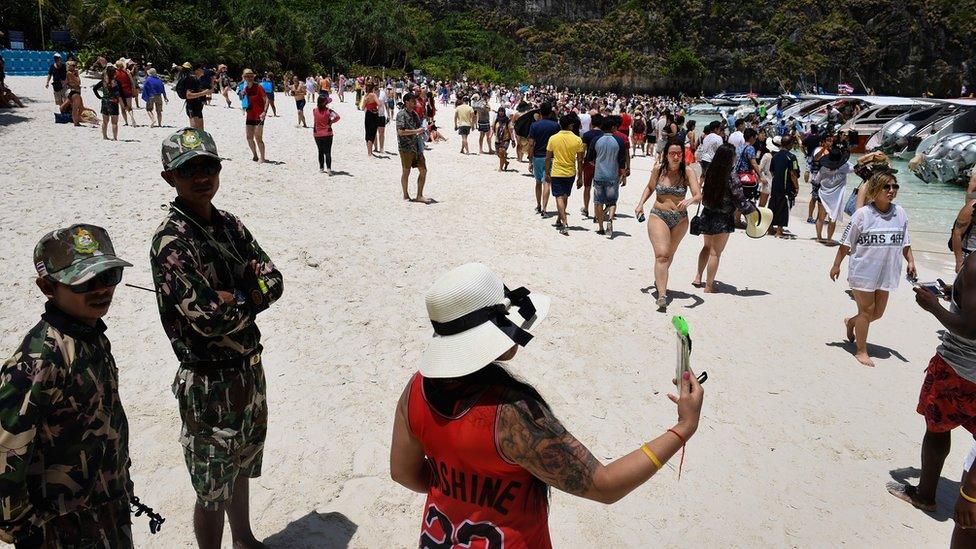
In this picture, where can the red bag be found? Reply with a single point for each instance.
(748, 179)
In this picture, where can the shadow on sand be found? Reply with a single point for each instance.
(945, 495)
(326, 531)
(874, 351)
(696, 299)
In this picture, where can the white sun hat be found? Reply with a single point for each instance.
(476, 319)
(758, 222)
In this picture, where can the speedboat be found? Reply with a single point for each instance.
(950, 160)
(876, 111)
(901, 136)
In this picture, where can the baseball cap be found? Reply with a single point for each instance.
(57, 54)
(185, 145)
(76, 254)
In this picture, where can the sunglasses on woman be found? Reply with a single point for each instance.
(107, 279)
(674, 153)
(891, 187)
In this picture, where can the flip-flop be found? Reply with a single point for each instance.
(908, 493)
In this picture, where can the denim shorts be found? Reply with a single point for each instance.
(539, 168)
(562, 186)
(606, 192)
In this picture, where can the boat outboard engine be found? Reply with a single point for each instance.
(949, 160)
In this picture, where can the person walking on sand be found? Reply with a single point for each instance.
(257, 111)
(385, 114)
(73, 87)
(323, 119)
(830, 183)
(223, 80)
(212, 279)
(564, 166)
(503, 137)
(109, 92)
(411, 151)
(464, 424)
(196, 95)
(371, 106)
(154, 93)
(589, 162)
(124, 79)
(876, 239)
(483, 113)
(298, 91)
(57, 73)
(722, 196)
(785, 186)
(463, 121)
(65, 478)
(607, 154)
(540, 132)
(668, 222)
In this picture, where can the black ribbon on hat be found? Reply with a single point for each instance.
(496, 314)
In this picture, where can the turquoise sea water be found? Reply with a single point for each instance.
(931, 207)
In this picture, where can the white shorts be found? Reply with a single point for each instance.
(970, 458)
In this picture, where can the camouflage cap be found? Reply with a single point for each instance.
(76, 254)
(186, 144)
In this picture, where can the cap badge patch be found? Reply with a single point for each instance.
(190, 140)
(85, 243)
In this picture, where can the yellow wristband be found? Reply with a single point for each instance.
(966, 497)
(650, 455)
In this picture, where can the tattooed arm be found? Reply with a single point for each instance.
(958, 229)
(530, 435)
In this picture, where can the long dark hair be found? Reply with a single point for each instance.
(717, 176)
(444, 395)
(666, 164)
(322, 103)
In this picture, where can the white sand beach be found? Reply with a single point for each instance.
(796, 443)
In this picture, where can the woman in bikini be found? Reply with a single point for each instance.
(668, 222)
(371, 106)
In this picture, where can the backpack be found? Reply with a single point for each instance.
(181, 87)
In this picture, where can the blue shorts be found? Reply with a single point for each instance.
(539, 168)
(606, 192)
(562, 186)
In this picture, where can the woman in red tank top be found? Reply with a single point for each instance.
(485, 446)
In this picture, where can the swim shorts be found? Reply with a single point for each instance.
(464, 130)
(110, 109)
(562, 186)
(588, 170)
(483, 127)
(257, 122)
(539, 168)
(194, 109)
(606, 192)
(300, 104)
(225, 421)
(409, 159)
(946, 400)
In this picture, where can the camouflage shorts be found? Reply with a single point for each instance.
(225, 420)
(105, 527)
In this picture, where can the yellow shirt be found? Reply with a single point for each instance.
(564, 147)
(465, 115)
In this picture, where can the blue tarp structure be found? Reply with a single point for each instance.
(29, 62)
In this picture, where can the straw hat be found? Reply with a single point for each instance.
(471, 311)
(774, 143)
(758, 222)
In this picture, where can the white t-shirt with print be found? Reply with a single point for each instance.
(876, 241)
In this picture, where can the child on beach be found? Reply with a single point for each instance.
(65, 480)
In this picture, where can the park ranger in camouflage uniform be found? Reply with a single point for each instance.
(64, 439)
(212, 280)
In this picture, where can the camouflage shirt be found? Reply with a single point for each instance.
(192, 260)
(64, 438)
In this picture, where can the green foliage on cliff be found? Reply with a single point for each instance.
(895, 47)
